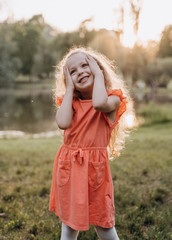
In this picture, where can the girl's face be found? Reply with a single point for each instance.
(80, 72)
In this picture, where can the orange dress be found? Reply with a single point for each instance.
(82, 187)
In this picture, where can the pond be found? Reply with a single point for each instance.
(33, 110)
(29, 111)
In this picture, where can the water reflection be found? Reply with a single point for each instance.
(20, 134)
(28, 112)
(33, 111)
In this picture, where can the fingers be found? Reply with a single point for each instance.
(66, 71)
(91, 60)
(67, 76)
(94, 66)
(87, 59)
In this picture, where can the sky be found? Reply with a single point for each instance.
(66, 15)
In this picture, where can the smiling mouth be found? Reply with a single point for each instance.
(84, 79)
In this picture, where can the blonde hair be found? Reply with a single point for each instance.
(121, 130)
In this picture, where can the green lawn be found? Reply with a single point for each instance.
(141, 175)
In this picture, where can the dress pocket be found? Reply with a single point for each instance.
(63, 172)
(96, 174)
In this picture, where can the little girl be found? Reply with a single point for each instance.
(90, 114)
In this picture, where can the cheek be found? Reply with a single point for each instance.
(74, 79)
(92, 77)
(89, 70)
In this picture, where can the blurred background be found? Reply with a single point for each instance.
(34, 35)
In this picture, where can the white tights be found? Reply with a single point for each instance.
(103, 233)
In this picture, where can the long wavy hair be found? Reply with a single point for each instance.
(112, 81)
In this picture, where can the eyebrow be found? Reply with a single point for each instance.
(70, 69)
(79, 64)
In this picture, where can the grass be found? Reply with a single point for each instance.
(142, 181)
(141, 176)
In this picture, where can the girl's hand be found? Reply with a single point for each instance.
(69, 82)
(94, 67)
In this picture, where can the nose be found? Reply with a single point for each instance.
(80, 71)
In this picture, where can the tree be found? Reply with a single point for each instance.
(119, 26)
(135, 10)
(64, 41)
(165, 47)
(27, 36)
(9, 63)
(46, 56)
(44, 60)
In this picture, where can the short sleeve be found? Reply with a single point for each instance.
(121, 109)
(59, 101)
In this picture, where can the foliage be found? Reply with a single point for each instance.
(158, 72)
(33, 48)
(9, 63)
(64, 41)
(154, 114)
(165, 48)
(107, 43)
(139, 60)
(27, 37)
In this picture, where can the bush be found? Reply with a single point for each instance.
(154, 114)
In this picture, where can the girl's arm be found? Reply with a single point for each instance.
(65, 113)
(101, 101)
